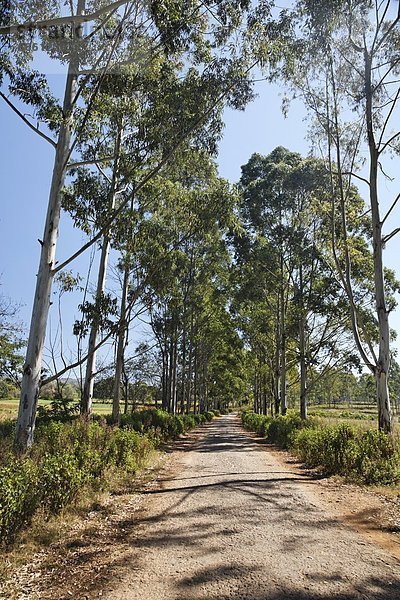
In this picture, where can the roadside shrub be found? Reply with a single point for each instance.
(378, 459)
(209, 415)
(190, 421)
(19, 496)
(366, 456)
(258, 423)
(333, 448)
(162, 424)
(60, 479)
(68, 456)
(128, 450)
(283, 430)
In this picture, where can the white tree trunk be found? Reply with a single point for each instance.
(283, 398)
(31, 379)
(383, 365)
(87, 396)
(119, 361)
(302, 348)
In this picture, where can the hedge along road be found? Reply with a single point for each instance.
(232, 524)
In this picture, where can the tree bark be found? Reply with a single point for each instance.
(283, 397)
(30, 385)
(302, 349)
(119, 360)
(381, 371)
(87, 397)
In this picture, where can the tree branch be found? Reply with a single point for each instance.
(388, 116)
(351, 174)
(388, 237)
(390, 140)
(73, 19)
(391, 208)
(27, 122)
(181, 139)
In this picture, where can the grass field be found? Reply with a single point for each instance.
(363, 415)
(9, 407)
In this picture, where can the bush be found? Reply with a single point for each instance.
(60, 479)
(333, 448)
(65, 458)
(365, 456)
(128, 450)
(161, 424)
(68, 456)
(283, 430)
(19, 496)
(258, 423)
(378, 460)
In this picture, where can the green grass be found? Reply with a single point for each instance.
(9, 407)
(357, 451)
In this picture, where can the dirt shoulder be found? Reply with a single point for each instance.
(219, 506)
(373, 512)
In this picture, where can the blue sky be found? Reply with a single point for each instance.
(26, 163)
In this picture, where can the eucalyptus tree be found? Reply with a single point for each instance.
(122, 33)
(191, 208)
(286, 210)
(270, 210)
(11, 340)
(63, 38)
(344, 61)
(140, 104)
(254, 291)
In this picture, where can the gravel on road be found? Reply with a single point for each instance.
(233, 523)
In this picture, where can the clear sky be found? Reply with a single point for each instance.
(26, 164)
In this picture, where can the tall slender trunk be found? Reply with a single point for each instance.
(164, 378)
(276, 359)
(383, 365)
(302, 349)
(119, 360)
(30, 385)
(196, 379)
(183, 377)
(171, 366)
(174, 368)
(190, 363)
(255, 403)
(86, 402)
(264, 389)
(283, 397)
(125, 383)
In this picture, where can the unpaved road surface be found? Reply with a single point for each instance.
(226, 518)
(233, 525)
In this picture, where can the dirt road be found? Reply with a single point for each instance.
(233, 525)
(225, 518)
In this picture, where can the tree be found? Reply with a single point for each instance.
(288, 234)
(344, 62)
(11, 341)
(184, 259)
(97, 54)
(75, 54)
